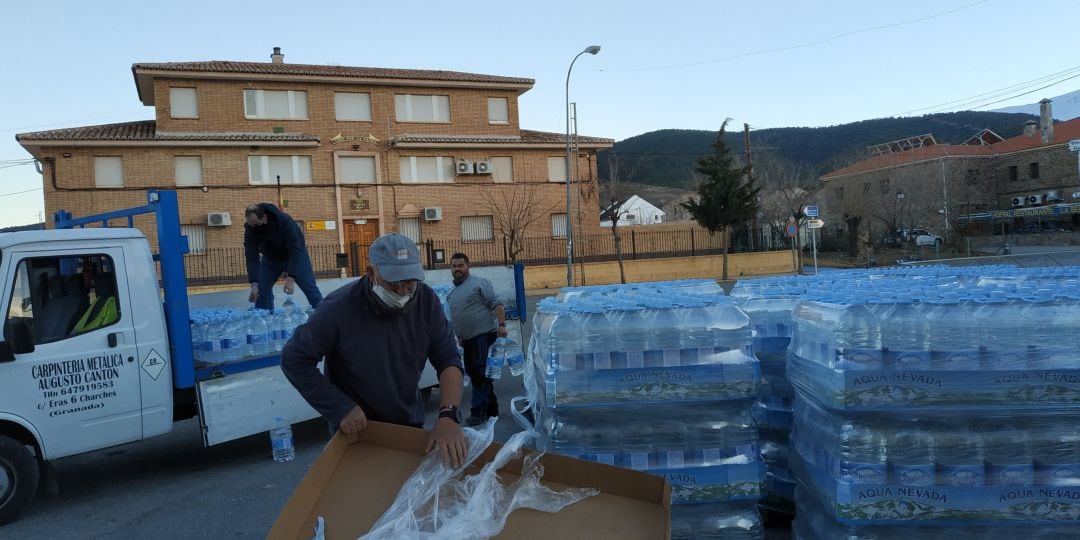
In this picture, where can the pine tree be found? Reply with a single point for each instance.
(726, 196)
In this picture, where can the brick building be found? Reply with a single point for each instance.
(958, 188)
(351, 152)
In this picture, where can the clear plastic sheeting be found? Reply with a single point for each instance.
(438, 502)
(728, 521)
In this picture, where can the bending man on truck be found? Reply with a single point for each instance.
(273, 245)
(479, 318)
(376, 333)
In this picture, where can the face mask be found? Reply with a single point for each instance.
(390, 298)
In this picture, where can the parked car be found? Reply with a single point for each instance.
(928, 239)
(894, 239)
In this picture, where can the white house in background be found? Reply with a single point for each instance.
(635, 211)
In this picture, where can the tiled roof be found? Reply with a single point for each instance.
(269, 68)
(146, 130)
(527, 137)
(910, 156)
(1063, 133)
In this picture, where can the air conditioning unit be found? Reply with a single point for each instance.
(465, 167)
(1035, 198)
(1052, 196)
(218, 219)
(485, 167)
(1019, 201)
(433, 214)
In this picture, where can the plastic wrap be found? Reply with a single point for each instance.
(728, 521)
(439, 502)
(946, 466)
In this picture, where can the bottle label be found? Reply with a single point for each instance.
(674, 459)
(286, 334)
(608, 458)
(1063, 474)
(256, 339)
(1012, 474)
(963, 475)
(282, 443)
(864, 473)
(639, 460)
(863, 358)
(602, 360)
(910, 359)
(231, 343)
(914, 475)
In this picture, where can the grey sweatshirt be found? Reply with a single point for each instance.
(373, 358)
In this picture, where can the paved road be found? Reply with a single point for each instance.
(173, 487)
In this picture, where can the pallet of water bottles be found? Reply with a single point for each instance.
(945, 346)
(814, 522)
(635, 345)
(946, 467)
(224, 335)
(709, 453)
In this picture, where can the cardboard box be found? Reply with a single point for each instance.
(357, 478)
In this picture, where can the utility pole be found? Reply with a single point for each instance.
(749, 175)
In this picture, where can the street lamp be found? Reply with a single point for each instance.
(591, 49)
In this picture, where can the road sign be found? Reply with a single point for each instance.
(1074, 145)
(792, 229)
(810, 210)
(815, 223)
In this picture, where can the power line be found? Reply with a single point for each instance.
(20, 192)
(802, 45)
(9, 129)
(1026, 93)
(997, 93)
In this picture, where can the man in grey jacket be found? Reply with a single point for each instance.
(479, 318)
(376, 333)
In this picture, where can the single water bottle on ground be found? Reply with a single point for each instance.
(281, 441)
(495, 361)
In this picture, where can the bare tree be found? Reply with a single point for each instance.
(614, 211)
(514, 208)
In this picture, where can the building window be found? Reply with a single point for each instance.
(420, 108)
(1014, 174)
(971, 176)
(356, 170)
(188, 170)
(557, 169)
(352, 106)
(498, 110)
(866, 187)
(108, 172)
(504, 169)
(477, 229)
(196, 238)
(183, 103)
(1033, 171)
(419, 170)
(275, 104)
(291, 169)
(558, 225)
(409, 227)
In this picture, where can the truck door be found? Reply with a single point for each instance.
(75, 375)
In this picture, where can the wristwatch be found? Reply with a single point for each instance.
(451, 412)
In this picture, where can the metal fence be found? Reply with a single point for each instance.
(218, 266)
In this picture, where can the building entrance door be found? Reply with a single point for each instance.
(359, 235)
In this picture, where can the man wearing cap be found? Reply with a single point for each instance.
(273, 245)
(376, 333)
(478, 318)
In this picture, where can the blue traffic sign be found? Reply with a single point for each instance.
(811, 211)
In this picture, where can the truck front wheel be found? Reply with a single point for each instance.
(19, 475)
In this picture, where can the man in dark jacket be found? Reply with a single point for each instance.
(376, 333)
(274, 235)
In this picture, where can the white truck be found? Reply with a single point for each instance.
(81, 372)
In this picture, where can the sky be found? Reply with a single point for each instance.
(675, 64)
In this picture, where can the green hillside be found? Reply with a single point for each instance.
(668, 157)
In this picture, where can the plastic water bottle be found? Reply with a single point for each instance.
(235, 338)
(904, 334)
(864, 335)
(863, 455)
(961, 457)
(637, 445)
(289, 304)
(1057, 453)
(495, 361)
(604, 444)
(912, 454)
(276, 324)
(515, 358)
(1009, 458)
(258, 336)
(281, 441)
